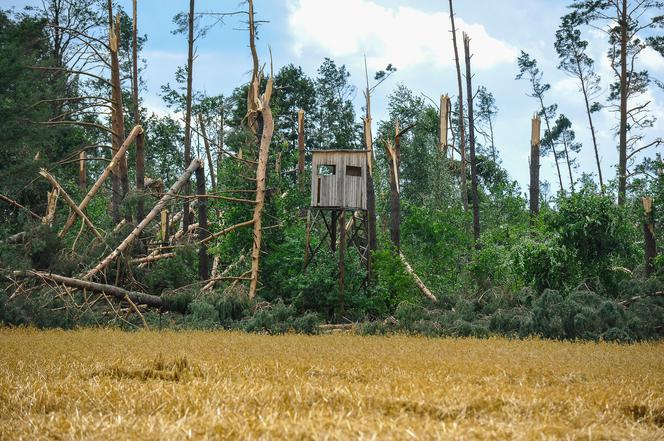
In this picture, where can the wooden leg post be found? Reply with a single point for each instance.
(342, 263)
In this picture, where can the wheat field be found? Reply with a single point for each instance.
(109, 384)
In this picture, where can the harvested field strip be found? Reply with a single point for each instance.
(107, 384)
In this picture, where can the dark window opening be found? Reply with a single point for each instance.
(327, 170)
(352, 170)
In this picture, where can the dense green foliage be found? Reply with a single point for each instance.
(574, 271)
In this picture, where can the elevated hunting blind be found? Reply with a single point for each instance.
(339, 179)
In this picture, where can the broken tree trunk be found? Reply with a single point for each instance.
(120, 175)
(258, 105)
(203, 233)
(471, 132)
(371, 190)
(417, 280)
(107, 171)
(144, 223)
(534, 166)
(217, 277)
(186, 220)
(444, 119)
(52, 198)
(462, 131)
(649, 236)
(266, 138)
(138, 298)
(82, 173)
(300, 147)
(69, 202)
(208, 153)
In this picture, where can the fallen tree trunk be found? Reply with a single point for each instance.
(46, 175)
(418, 281)
(107, 171)
(138, 298)
(144, 223)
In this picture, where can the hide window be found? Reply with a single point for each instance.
(327, 170)
(352, 170)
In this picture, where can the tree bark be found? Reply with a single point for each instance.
(371, 190)
(423, 288)
(203, 232)
(144, 223)
(117, 158)
(569, 164)
(82, 173)
(553, 144)
(462, 131)
(443, 125)
(208, 153)
(300, 146)
(140, 140)
(592, 126)
(138, 298)
(120, 176)
(649, 236)
(69, 202)
(471, 132)
(187, 119)
(622, 146)
(534, 166)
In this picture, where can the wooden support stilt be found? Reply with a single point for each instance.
(342, 259)
(307, 239)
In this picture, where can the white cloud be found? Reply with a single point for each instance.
(651, 59)
(403, 36)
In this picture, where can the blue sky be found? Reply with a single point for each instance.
(411, 34)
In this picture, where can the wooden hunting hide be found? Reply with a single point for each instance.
(339, 179)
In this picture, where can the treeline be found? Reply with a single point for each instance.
(576, 269)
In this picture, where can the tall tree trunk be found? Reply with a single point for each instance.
(208, 152)
(120, 178)
(395, 198)
(569, 164)
(622, 147)
(471, 132)
(534, 166)
(300, 148)
(260, 116)
(371, 191)
(462, 131)
(186, 220)
(493, 145)
(592, 126)
(220, 145)
(649, 236)
(553, 144)
(203, 233)
(140, 140)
